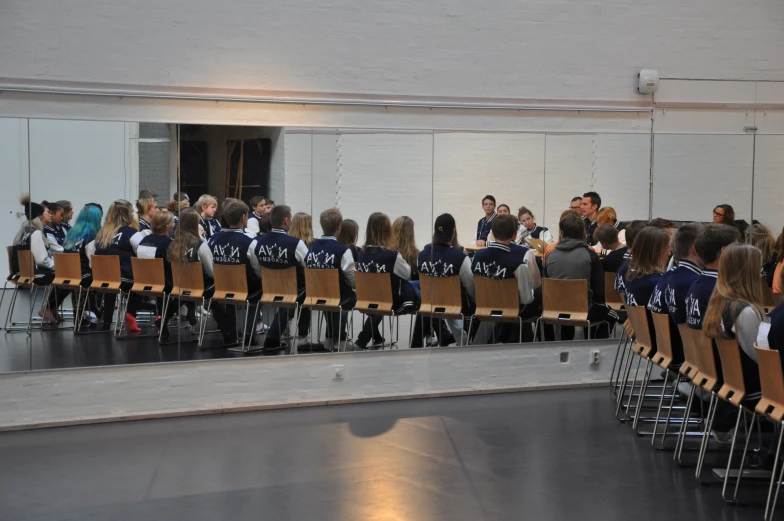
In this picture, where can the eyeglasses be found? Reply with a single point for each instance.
(717, 214)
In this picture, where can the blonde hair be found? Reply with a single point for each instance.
(120, 214)
(205, 200)
(302, 228)
(760, 237)
(145, 204)
(403, 240)
(739, 281)
(650, 245)
(606, 215)
(162, 222)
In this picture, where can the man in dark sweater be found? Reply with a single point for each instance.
(614, 252)
(574, 259)
(590, 209)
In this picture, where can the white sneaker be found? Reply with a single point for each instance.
(304, 340)
(183, 311)
(433, 340)
(329, 344)
(377, 344)
(724, 438)
(261, 328)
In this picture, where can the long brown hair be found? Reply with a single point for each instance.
(650, 247)
(760, 237)
(302, 228)
(349, 232)
(779, 247)
(739, 281)
(403, 239)
(378, 231)
(120, 214)
(187, 237)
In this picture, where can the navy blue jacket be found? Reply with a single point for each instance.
(123, 244)
(210, 226)
(442, 260)
(327, 253)
(698, 297)
(372, 259)
(483, 227)
(277, 250)
(232, 246)
(154, 247)
(678, 284)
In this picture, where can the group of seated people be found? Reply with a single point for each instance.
(270, 236)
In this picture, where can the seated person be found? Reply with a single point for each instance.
(775, 334)
(118, 237)
(503, 259)
(207, 206)
(760, 237)
(147, 207)
(349, 235)
(155, 246)
(67, 215)
(611, 248)
(552, 245)
(483, 226)
(528, 228)
(632, 229)
(54, 231)
(83, 232)
(327, 253)
(257, 209)
(377, 256)
(442, 259)
(277, 250)
(572, 258)
(231, 246)
(188, 246)
(590, 210)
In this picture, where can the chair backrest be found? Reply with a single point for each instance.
(187, 280)
(322, 289)
(10, 252)
(703, 349)
(497, 300)
(26, 268)
(374, 293)
(733, 389)
(279, 287)
(538, 244)
(565, 301)
(690, 366)
(661, 324)
(638, 316)
(148, 276)
(440, 296)
(772, 382)
(67, 270)
(106, 273)
(611, 297)
(231, 283)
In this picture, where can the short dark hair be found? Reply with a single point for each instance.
(661, 223)
(488, 196)
(270, 201)
(572, 227)
(632, 229)
(595, 199)
(51, 206)
(256, 200)
(523, 210)
(180, 196)
(578, 198)
(712, 238)
(145, 192)
(504, 227)
(279, 214)
(606, 234)
(66, 205)
(234, 210)
(729, 213)
(684, 239)
(330, 220)
(505, 206)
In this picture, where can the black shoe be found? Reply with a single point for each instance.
(164, 334)
(229, 339)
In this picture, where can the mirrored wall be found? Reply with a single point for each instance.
(418, 174)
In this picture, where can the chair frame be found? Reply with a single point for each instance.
(322, 294)
(227, 295)
(68, 275)
(575, 312)
(498, 300)
(189, 293)
(149, 280)
(279, 291)
(106, 279)
(374, 297)
(441, 299)
(771, 406)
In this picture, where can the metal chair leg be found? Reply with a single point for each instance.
(669, 408)
(11, 305)
(33, 291)
(771, 507)
(624, 383)
(682, 432)
(661, 402)
(748, 431)
(706, 436)
(732, 450)
(641, 397)
(618, 353)
(163, 316)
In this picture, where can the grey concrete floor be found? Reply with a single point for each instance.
(551, 455)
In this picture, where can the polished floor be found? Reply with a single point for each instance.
(551, 455)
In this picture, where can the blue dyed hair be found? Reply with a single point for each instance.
(85, 228)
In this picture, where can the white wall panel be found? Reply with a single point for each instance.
(298, 171)
(325, 164)
(81, 161)
(467, 166)
(385, 172)
(694, 173)
(569, 172)
(622, 174)
(13, 171)
(769, 182)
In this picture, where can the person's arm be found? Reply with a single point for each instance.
(301, 253)
(746, 328)
(253, 227)
(89, 251)
(54, 246)
(205, 256)
(467, 278)
(136, 238)
(546, 236)
(253, 260)
(347, 267)
(597, 278)
(402, 269)
(41, 255)
(533, 269)
(524, 284)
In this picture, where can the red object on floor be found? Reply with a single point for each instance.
(130, 323)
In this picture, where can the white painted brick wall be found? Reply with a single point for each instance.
(100, 394)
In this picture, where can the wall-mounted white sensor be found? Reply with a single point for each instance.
(647, 81)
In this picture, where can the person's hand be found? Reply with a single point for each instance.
(201, 231)
(480, 243)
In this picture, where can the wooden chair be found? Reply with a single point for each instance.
(322, 293)
(107, 278)
(643, 347)
(497, 301)
(538, 244)
(149, 280)
(663, 358)
(279, 290)
(24, 280)
(565, 303)
(68, 276)
(708, 379)
(690, 369)
(441, 299)
(374, 297)
(187, 286)
(771, 405)
(231, 289)
(611, 297)
(10, 279)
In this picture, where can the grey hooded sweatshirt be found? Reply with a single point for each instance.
(574, 259)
